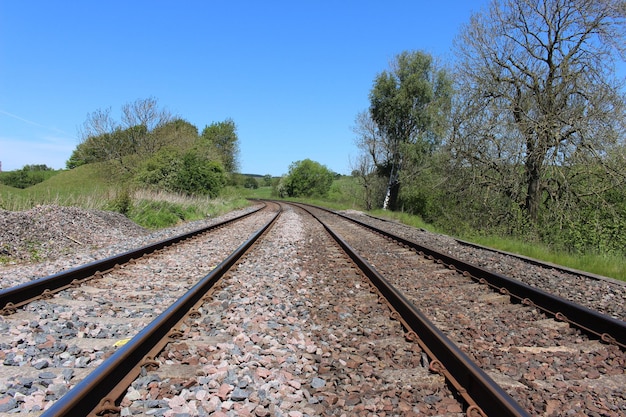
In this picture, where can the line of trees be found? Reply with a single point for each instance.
(524, 135)
(27, 176)
(157, 150)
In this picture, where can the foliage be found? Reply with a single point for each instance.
(267, 180)
(199, 177)
(155, 210)
(152, 148)
(125, 142)
(27, 176)
(537, 96)
(92, 187)
(171, 170)
(122, 202)
(159, 214)
(306, 178)
(221, 138)
(251, 182)
(409, 104)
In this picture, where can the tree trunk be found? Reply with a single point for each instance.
(533, 190)
(393, 189)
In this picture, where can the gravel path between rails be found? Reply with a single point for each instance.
(292, 331)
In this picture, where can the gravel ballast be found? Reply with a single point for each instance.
(49, 239)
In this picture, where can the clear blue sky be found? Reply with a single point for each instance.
(291, 74)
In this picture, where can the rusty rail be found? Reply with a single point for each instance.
(593, 323)
(482, 395)
(98, 393)
(19, 295)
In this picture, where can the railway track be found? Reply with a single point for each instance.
(294, 327)
(519, 336)
(86, 313)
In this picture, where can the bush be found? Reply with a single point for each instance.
(122, 203)
(307, 179)
(186, 173)
(28, 176)
(251, 182)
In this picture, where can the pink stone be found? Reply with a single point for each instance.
(263, 373)
(224, 390)
(294, 383)
(211, 405)
(202, 395)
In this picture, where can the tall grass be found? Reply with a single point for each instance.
(156, 210)
(608, 265)
(613, 266)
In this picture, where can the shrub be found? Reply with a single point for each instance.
(307, 178)
(28, 176)
(186, 173)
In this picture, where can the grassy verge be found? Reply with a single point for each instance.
(607, 265)
(158, 210)
(85, 187)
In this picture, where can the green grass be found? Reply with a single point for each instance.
(82, 187)
(37, 175)
(612, 266)
(608, 265)
(263, 193)
(158, 210)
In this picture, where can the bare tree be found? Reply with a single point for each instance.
(537, 91)
(145, 114)
(104, 139)
(370, 140)
(373, 150)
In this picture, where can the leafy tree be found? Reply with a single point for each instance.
(177, 133)
(538, 100)
(222, 138)
(27, 176)
(307, 178)
(158, 170)
(410, 105)
(251, 182)
(198, 176)
(182, 172)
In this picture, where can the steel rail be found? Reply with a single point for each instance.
(543, 264)
(591, 322)
(19, 295)
(608, 329)
(483, 395)
(93, 392)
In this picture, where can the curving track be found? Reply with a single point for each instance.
(294, 328)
